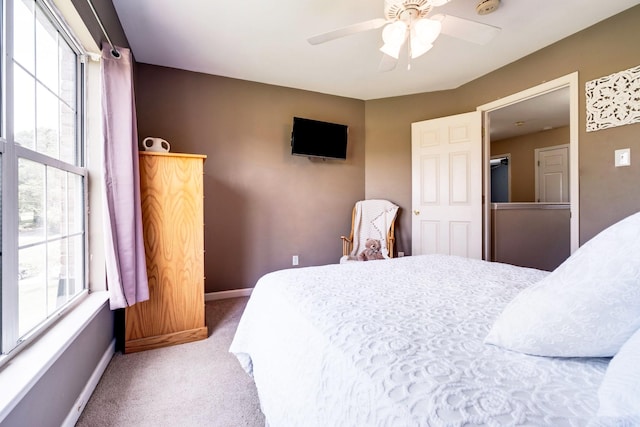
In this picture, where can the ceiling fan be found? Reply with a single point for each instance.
(409, 20)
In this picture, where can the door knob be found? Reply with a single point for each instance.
(416, 212)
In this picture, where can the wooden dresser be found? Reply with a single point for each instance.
(171, 187)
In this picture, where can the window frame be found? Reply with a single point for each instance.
(10, 153)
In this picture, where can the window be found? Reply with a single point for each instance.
(43, 174)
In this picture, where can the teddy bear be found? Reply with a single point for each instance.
(371, 251)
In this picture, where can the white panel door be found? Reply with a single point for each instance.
(552, 174)
(447, 186)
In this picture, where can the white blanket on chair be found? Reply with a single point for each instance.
(372, 220)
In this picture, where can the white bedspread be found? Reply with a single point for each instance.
(400, 343)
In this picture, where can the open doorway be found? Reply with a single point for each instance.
(501, 124)
(500, 178)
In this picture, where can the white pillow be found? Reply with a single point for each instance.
(619, 392)
(589, 306)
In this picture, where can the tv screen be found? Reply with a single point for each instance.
(314, 138)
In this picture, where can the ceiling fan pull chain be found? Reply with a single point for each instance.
(408, 55)
(408, 41)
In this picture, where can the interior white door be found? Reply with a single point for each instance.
(552, 174)
(447, 185)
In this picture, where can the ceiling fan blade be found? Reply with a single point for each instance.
(348, 30)
(467, 30)
(387, 63)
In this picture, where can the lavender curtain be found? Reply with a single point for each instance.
(124, 245)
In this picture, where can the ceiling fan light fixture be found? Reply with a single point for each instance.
(426, 30)
(394, 36)
(411, 19)
(394, 33)
(391, 49)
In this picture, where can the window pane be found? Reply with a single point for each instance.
(76, 264)
(56, 203)
(67, 74)
(66, 272)
(68, 88)
(23, 34)
(32, 292)
(24, 105)
(47, 122)
(76, 204)
(72, 263)
(51, 262)
(30, 201)
(46, 52)
(67, 134)
(57, 295)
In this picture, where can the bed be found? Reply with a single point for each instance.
(403, 342)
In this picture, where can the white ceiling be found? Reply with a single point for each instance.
(266, 41)
(537, 114)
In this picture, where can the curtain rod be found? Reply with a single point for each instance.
(114, 51)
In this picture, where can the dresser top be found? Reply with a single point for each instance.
(155, 153)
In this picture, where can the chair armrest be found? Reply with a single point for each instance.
(391, 240)
(346, 245)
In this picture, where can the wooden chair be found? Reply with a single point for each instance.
(372, 218)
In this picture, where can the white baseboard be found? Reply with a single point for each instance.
(86, 393)
(235, 293)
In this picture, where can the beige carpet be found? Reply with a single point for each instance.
(193, 384)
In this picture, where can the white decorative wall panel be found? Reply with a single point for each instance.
(613, 100)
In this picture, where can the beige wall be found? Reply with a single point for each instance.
(522, 165)
(545, 229)
(607, 194)
(262, 205)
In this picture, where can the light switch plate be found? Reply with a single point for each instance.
(623, 157)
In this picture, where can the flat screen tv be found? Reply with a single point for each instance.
(313, 138)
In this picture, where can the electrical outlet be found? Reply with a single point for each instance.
(623, 157)
(400, 254)
(294, 261)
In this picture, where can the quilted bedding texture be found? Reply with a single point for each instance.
(399, 342)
